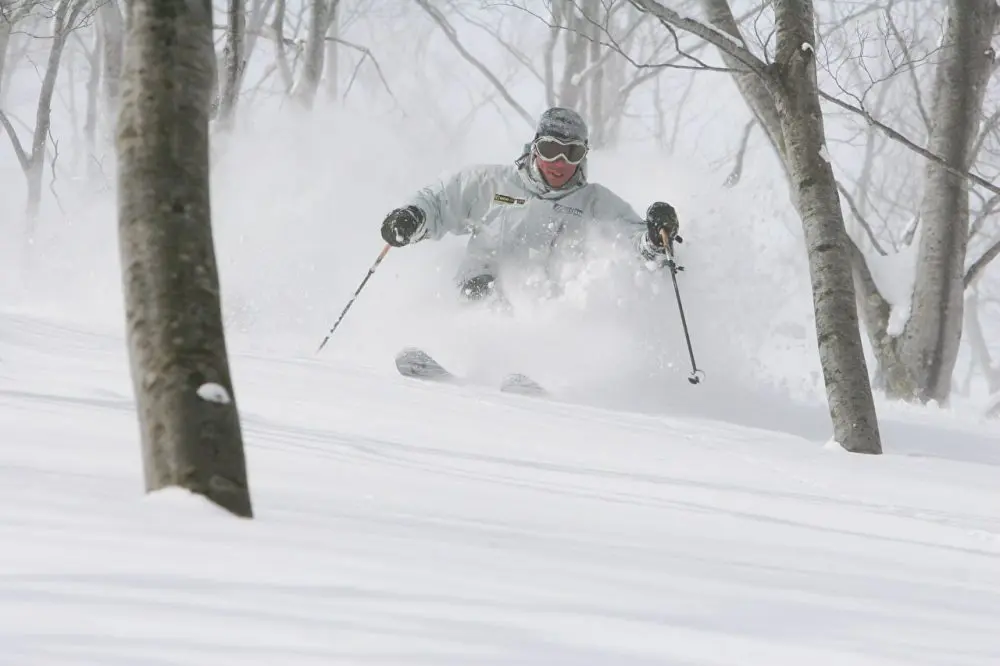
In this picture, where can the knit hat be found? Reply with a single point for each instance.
(562, 123)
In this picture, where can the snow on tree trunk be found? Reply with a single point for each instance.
(814, 193)
(928, 346)
(189, 423)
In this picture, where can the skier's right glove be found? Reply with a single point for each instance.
(401, 225)
(478, 287)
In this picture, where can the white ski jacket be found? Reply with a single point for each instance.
(516, 222)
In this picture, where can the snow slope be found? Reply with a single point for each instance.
(405, 523)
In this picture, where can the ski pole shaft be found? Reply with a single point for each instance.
(694, 378)
(378, 260)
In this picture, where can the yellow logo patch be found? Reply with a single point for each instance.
(503, 198)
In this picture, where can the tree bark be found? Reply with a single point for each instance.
(929, 343)
(814, 193)
(189, 423)
(233, 58)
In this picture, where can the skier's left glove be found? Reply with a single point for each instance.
(401, 226)
(660, 217)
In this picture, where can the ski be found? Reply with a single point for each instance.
(522, 385)
(415, 363)
(418, 364)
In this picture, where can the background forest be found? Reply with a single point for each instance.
(329, 114)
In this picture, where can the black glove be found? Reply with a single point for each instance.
(661, 216)
(478, 287)
(401, 224)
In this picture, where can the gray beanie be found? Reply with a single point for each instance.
(562, 123)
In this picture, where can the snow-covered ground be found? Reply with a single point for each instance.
(405, 523)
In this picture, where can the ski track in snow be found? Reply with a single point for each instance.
(400, 522)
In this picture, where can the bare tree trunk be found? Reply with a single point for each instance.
(191, 435)
(111, 27)
(814, 192)
(332, 52)
(929, 343)
(5, 30)
(233, 58)
(576, 59)
(93, 91)
(281, 52)
(67, 12)
(312, 66)
(977, 345)
(598, 122)
(256, 21)
(558, 11)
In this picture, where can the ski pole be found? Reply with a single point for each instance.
(381, 256)
(668, 245)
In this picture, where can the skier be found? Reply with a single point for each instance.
(523, 217)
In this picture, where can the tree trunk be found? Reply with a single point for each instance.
(312, 65)
(235, 39)
(598, 122)
(281, 52)
(66, 14)
(570, 91)
(332, 52)
(5, 29)
(90, 123)
(928, 346)
(189, 423)
(111, 29)
(814, 193)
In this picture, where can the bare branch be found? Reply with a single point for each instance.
(861, 219)
(22, 157)
(366, 53)
(897, 136)
(910, 68)
(734, 176)
(52, 183)
(728, 44)
(452, 36)
(980, 264)
(524, 60)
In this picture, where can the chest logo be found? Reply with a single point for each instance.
(559, 208)
(504, 199)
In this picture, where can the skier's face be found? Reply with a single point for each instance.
(558, 159)
(556, 173)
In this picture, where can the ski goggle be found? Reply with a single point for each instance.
(550, 149)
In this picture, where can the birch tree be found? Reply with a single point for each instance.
(189, 423)
(918, 363)
(784, 98)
